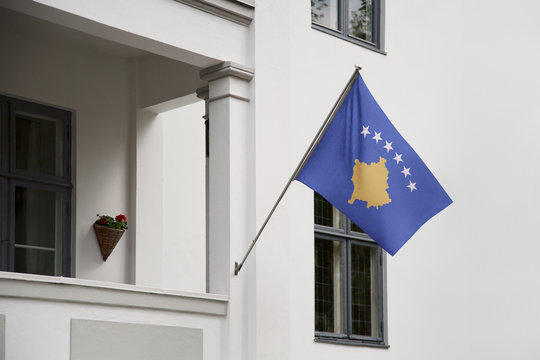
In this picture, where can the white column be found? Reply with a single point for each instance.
(230, 201)
(228, 109)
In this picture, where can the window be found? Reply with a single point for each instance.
(349, 273)
(358, 21)
(35, 188)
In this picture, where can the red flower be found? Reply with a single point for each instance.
(103, 221)
(121, 217)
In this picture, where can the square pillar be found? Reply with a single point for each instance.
(228, 170)
(230, 197)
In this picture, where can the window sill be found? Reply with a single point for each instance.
(50, 288)
(350, 342)
(339, 35)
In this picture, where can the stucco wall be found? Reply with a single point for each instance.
(184, 228)
(67, 330)
(92, 339)
(462, 89)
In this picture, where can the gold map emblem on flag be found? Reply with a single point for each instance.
(370, 183)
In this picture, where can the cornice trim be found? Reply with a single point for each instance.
(227, 68)
(237, 97)
(236, 11)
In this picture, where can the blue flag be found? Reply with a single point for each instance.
(366, 170)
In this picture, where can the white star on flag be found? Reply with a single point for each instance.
(406, 171)
(365, 131)
(377, 137)
(412, 186)
(398, 158)
(388, 146)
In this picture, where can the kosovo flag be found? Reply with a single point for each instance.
(366, 170)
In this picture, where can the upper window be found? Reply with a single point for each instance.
(35, 188)
(359, 21)
(349, 273)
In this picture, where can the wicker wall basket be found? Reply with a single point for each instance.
(107, 239)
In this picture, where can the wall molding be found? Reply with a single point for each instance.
(225, 69)
(59, 289)
(237, 11)
(237, 88)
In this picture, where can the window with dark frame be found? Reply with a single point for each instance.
(349, 272)
(35, 188)
(357, 21)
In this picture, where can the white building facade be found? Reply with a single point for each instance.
(189, 117)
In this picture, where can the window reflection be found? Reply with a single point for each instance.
(326, 214)
(364, 290)
(361, 19)
(328, 286)
(325, 13)
(38, 231)
(39, 146)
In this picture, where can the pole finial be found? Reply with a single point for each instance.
(358, 67)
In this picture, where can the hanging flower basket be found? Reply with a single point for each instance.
(107, 239)
(108, 232)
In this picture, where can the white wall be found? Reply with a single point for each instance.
(171, 230)
(460, 82)
(41, 329)
(149, 200)
(37, 66)
(184, 211)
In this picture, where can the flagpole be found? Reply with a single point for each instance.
(309, 151)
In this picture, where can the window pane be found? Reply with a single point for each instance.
(326, 214)
(33, 261)
(356, 228)
(328, 286)
(325, 13)
(3, 225)
(361, 19)
(38, 230)
(364, 291)
(39, 146)
(2, 140)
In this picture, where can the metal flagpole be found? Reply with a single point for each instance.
(311, 148)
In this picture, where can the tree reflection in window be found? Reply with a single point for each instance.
(325, 13)
(358, 21)
(361, 19)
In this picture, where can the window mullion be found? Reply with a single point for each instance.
(4, 238)
(10, 211)
(348, 290)
(344, 17)
(66, 161)
(11, 227)
(382, 293)
(375, 21)
(4, 121)
(66, 236)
